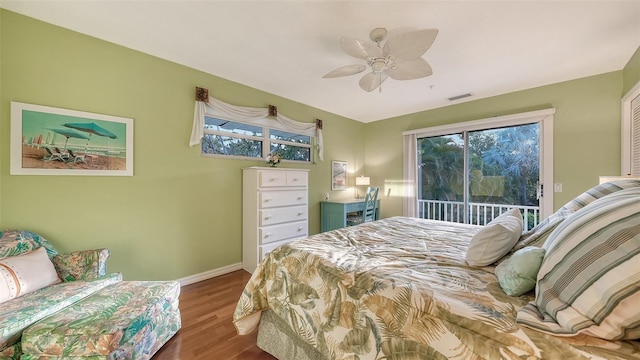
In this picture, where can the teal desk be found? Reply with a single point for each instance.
(333, 214)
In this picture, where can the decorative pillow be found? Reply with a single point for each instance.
(517, 274)
(16, 242)
(589, 281)
(495, 239)
(26, 273)
(539, 234)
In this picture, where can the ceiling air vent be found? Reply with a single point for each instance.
(458, 97)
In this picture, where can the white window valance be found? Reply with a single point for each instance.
(257, 116)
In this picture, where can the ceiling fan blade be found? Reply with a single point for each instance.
(360, 49)
(346, 71)
(372, 80)
(412, 69)
(411, 45)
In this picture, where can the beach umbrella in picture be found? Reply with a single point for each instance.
(91, 128)
(69, 134)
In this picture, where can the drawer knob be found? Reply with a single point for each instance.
(267, 217)
(272, 179)
(300, 213)
(267, 236)
(300, 229)
(267, 200)
(295, 179)
(300, 197)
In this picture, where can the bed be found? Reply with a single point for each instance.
(402, 288)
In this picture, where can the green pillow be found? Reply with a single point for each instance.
(517, 275)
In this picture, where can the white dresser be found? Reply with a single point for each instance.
(275, 210)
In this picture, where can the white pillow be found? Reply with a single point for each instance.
(26, 273)
(495, 239)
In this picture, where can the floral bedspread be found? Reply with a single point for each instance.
(399, 288)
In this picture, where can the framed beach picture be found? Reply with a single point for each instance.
(338, 175)
(53, 141)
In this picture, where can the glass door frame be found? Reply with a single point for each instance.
(545, 120)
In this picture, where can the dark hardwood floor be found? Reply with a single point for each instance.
(207, 330)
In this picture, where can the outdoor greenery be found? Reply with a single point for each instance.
(226, 145)
(291, 152)
(235, 138)
(229, 145)
(441, 168)
(503, 163)
(512, 152)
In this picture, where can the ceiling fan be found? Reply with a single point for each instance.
(400, 57)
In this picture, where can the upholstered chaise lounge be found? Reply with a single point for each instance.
(97, 315)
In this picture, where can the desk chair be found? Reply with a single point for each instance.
(370, 204)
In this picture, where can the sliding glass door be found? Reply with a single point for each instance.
(473, 176)
(441, 177)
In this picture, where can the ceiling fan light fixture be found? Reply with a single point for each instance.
(378, 34)
(400, 57)
(378, 65)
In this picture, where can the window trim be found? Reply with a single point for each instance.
(543, 117)
(207, 105)
(270, 141)
(265, 139)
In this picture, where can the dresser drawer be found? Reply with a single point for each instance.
(269, 234)
(269, 199)
(281, 215)
(297, 178)
(267, 248)
(275, 210)
(272, 178)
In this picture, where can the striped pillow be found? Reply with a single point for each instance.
(589, 281)
(539, 234)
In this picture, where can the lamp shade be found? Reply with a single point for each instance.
(363, 180)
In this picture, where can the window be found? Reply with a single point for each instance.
(223, 137)
(472, 172)
(474, 176)
(290, 145)
(241, 132)
(236, 139)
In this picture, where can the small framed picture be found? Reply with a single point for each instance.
(338, 175)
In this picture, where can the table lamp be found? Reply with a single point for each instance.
(362, 181)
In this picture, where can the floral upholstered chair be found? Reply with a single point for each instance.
(36, 281)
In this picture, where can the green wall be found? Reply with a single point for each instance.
(631, 72)
(586, 133)
(181, 213)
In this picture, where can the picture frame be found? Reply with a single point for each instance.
(339, 171)
(53, 141)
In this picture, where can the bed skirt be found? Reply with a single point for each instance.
(276, 338)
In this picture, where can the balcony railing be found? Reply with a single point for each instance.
(479, 213)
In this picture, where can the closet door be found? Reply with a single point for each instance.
(631, 132)
(635, 136)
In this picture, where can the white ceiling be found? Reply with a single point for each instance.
(285, 47)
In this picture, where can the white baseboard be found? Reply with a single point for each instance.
(209, 274)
